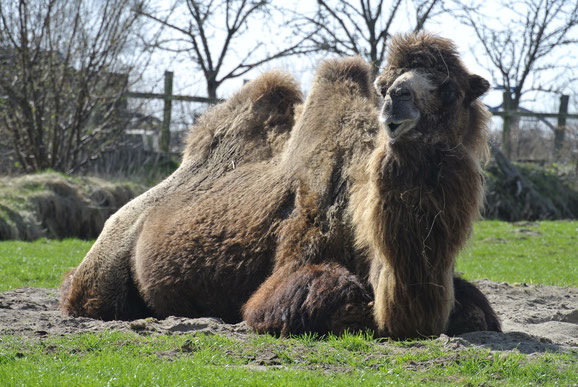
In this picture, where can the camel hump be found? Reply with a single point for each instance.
(352, 69)
(274, 89)
(251, 125)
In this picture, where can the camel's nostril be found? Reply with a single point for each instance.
(393, 126)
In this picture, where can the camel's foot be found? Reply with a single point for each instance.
(472, 310)
(314, 298)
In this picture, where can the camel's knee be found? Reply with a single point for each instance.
(314, 298)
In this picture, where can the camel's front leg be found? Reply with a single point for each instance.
(312, 298)
(408, 308)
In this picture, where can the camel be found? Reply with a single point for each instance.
(269, 217)
(425, 185)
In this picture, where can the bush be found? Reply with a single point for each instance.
(557, 187)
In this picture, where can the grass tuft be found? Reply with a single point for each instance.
(41, 263)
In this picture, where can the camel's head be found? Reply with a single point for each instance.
(428, 94)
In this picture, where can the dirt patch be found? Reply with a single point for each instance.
(535, 319)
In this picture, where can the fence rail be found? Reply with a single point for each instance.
(513, 113)
(559, 130)
(507, 114)
(186, 98)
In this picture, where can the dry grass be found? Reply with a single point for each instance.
(56, 206)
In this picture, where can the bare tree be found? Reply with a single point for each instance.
(215, 36)
(530, 52)
(363, 27)
(63, 76)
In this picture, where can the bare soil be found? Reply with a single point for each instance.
(535, 319)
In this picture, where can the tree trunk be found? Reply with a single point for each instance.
(212, 86)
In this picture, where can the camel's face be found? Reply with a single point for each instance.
(428, 94)
(403, 100)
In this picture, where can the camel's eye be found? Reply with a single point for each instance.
(382, 88)
(448, 94)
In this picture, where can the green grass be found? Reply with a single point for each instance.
(539, 253)
(531, 252)
(535, 253)
(127, 359)
(41, 263)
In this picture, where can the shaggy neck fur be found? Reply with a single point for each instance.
(422, 201)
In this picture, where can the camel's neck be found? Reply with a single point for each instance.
(426, 200)
(414, 163)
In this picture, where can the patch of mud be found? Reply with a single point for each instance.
(535, 319)
(34, 312)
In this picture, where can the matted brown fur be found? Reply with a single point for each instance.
(472, 311)
(252, 125)
(209, 255)
(312, 298)
(425, 189)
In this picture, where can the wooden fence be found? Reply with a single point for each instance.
(168, 97)
(506, 113)
(559, 130)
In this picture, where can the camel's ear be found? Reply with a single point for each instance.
(478, 86)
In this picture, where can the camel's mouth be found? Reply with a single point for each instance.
(396, 129)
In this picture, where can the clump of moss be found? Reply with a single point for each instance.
(57, 206)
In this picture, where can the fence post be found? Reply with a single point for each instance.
(165, 139)
(560, 131)
(506, 135)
